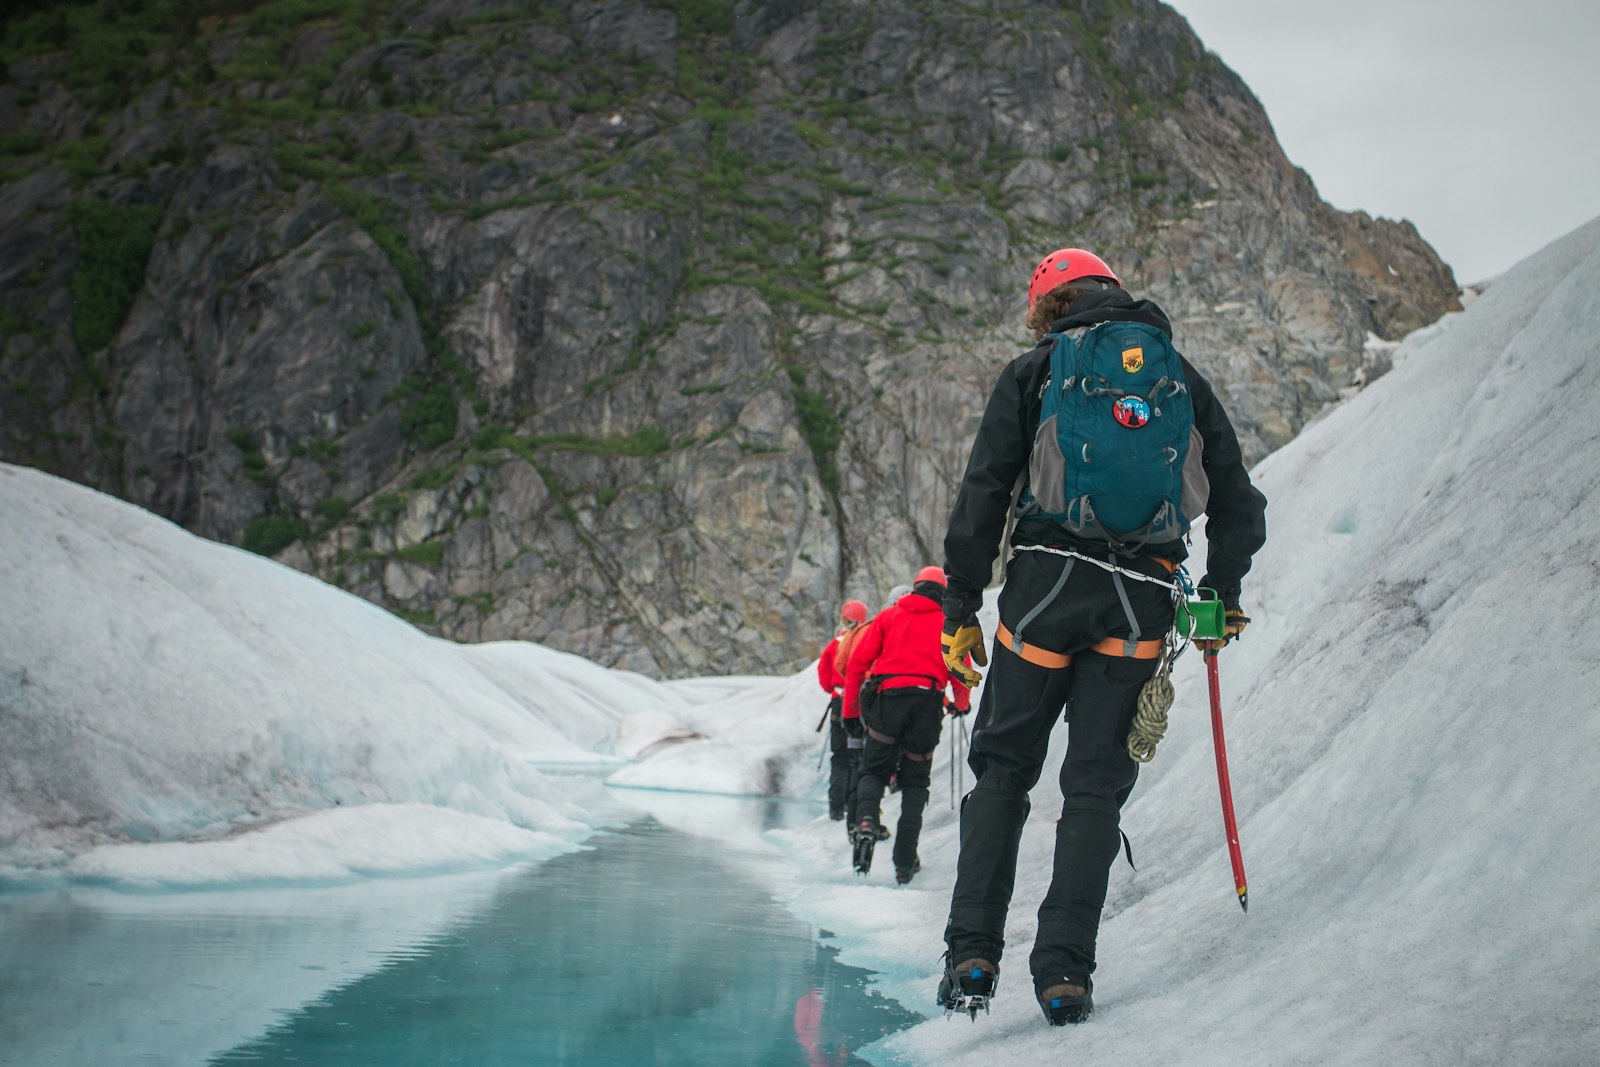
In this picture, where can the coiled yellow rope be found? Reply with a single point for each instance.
(1150, 717)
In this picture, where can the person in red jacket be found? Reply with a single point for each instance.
(851, 719)
(831, 677)
(901, 655)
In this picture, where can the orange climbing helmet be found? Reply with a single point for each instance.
(1067, 265)
(854, 611)
(930, 574)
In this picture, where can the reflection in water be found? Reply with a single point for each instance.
(96, 977)
(648, 949)
(808, 1031)
(652, 947)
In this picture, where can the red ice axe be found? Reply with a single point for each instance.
(1228, 822)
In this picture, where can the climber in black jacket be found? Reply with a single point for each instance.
(1092, 641)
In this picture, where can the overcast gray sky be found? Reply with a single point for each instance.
(1478, 121)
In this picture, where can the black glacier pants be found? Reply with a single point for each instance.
(839, 760)
(855, 742)
(913, 720)
(1020, 706)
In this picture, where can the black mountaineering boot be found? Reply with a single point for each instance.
(967, 986)
(865, 841)
(1067, 1000)
(902, 875)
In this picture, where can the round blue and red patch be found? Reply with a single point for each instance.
(1132, 411)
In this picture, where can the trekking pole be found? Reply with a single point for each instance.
(824, 752)
(958, 745)
(961, 768)
(1228, 822)
(955, 754)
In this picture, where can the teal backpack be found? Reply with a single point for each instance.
(1116, 426)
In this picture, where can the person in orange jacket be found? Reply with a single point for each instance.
(830, 675)
(900, 662)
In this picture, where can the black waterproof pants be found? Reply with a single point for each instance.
(912, 720)
(839, 760)
(1020, 706)
(855, 742)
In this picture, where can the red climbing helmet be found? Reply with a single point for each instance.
(853, 611)
(931, 574)
(1067, 265)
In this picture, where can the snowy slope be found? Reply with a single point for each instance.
(1412, 727)
(177, 712)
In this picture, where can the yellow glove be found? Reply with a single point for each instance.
(1234, 620)
(958, 639)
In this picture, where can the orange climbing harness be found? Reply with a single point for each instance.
(1043, 657)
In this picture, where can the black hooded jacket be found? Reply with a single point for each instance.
(1235, 514)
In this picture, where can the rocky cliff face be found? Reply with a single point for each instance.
(646, 332)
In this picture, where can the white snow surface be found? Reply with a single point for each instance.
(1411, 727)
(178, 713)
